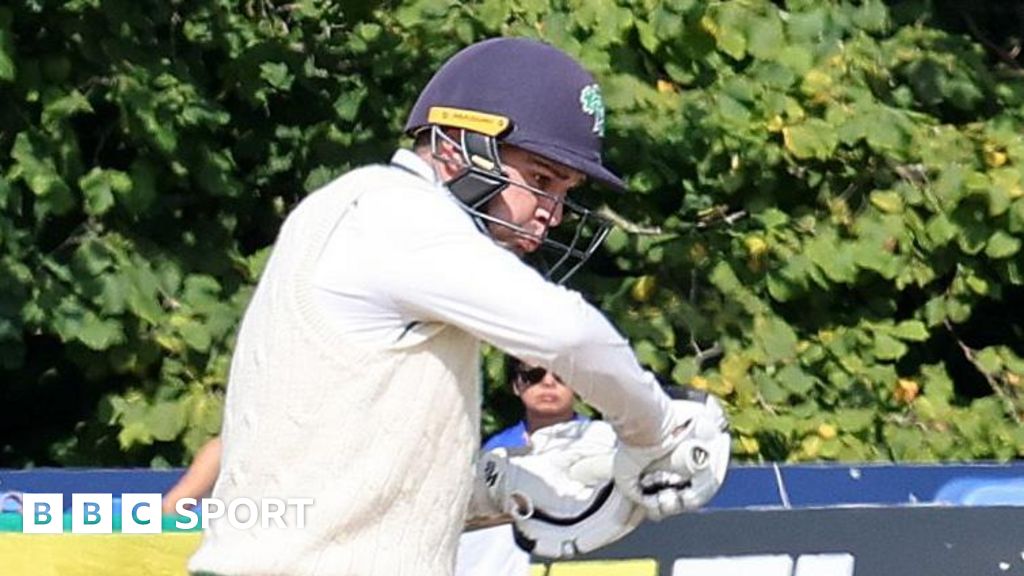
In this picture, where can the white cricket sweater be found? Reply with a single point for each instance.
(355, 379)
(381, 437)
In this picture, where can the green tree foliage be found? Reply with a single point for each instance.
(825, 224)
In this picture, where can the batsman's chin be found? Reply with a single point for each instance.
(521, 246)
(527, 244)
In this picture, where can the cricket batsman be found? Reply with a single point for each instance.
(355, 379)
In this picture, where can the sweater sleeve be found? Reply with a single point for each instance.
(459, 276)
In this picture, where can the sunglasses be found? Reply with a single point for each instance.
(530, 376)
(526, 376)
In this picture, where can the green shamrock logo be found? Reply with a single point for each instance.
(593, 105)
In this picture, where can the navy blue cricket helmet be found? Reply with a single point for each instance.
(540, 98)
(531, 95)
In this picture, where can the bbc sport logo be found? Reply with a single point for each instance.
(140, 513)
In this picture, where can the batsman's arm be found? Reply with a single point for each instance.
(467, 281)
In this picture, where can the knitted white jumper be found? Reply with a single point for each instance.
(382, 439)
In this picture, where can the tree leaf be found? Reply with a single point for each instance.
(777, 337)
(812, 139)
(795, 380)
(38, 170)
(8, 70)
(941, 230)
(99, 333)
(871, 16)
(729, 34)
(770, 389)
(911, 330)
(166, 420)
(59, 107)
(196, 335)
(989, 360)
(99, 186)
(1001, 245)
(887, 201)
(766, 37)
(277, 75)
(347, 105)
(888, 348)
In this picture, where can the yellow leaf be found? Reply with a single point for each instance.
(888, 202)
(170, 343)
(811, 446)
(721, 387)
(827, 431)
(709, 26)
(995, 155)
(666, 87)
(734, 367)
(906, 390)
(749, 445)
(644, 288)
(756, 246)
(816, 83)
(995, 158)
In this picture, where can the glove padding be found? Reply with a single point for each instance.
(687, 469)
(560, 496)
(597, 515)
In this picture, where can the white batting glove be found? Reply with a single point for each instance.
(560, 496)
(686, 470)
(510, 482)
(596, 514)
